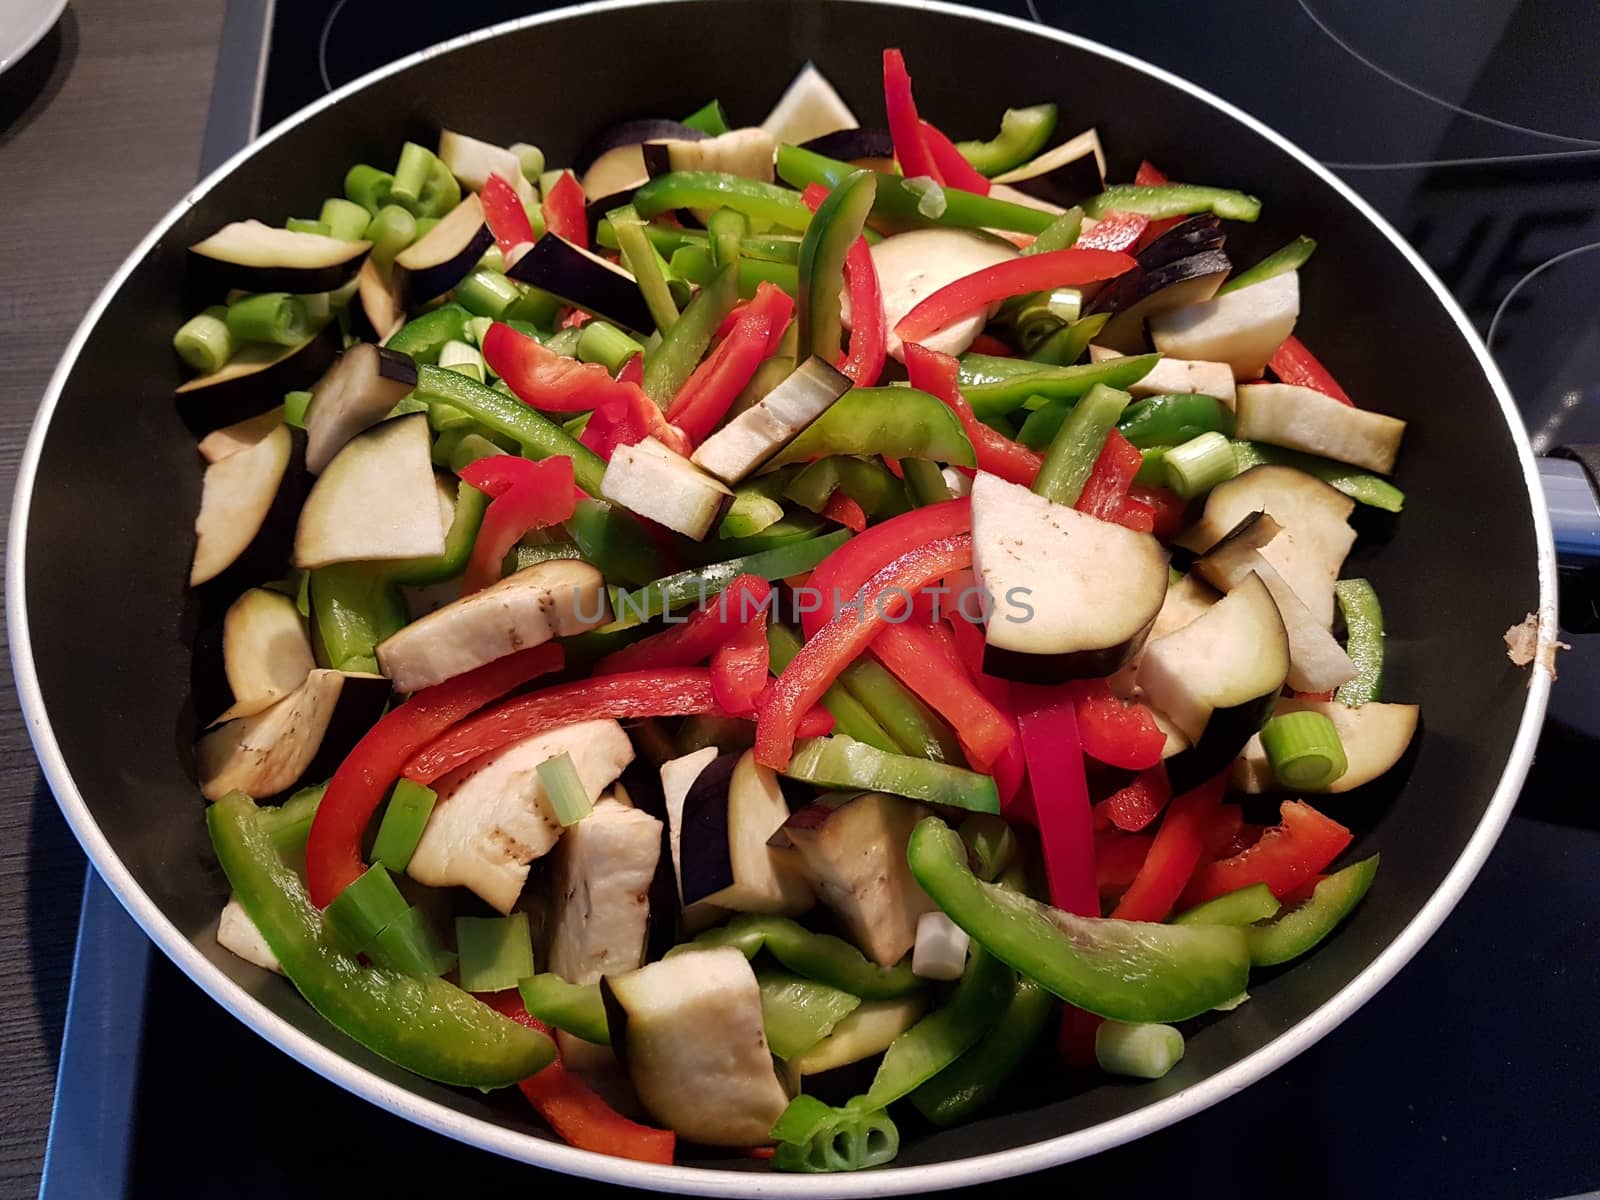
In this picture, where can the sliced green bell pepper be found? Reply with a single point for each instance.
(812, 1137)
(695, 585)
(1173, 419)
(1076, 445)
(833, 230)
(850, 717)
(866, 481)
(1291, 258)
(1058, 235)
(975, 1079)
(1363, 623)
(354, 606)
(642, 259)
(726, 229)
(289, 823)
(765, 202)
(1001, 385)
(613, 540)
(1361, 487)
(1023, 134)
(788, 529)
(1299, 930)
(895, 422)
(755, 504)
(1245, 906)
(424, 337)
(915, 728)
(673, 359)
(798, 1013)
(841, 762)
(1173, 200)
(575, 1008)
(819, 956)
(1066, 346)
(471, 504)
(695, 264)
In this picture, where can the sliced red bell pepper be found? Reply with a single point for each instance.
(1118, 231)
(905, 127)
(739, 667)
(987, 343)
(838, 577)
(1014, 277)
(572, 1108)
(1322, 696)
(868, 350)
(1293, 363)
(846, 511)
(627, 422)
(545, 380)
(505, 216)
(575, 318)
(563, 210)
(1224, 832)
(951, 163)
(1114, 731)
(632, 371)
(1287, 855)
(911, 652)
(1135, 806)
(1117, 859)
(1249, 834)
(1060, 794)
(1174, 854)
(1010, 767)
(1105, 492)
(691, 642)
(997, 454)
(1167, 508)
(706, 395)
(333, 847)
(842, 640)
(527, 495)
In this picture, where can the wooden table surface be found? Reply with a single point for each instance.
(100, 133)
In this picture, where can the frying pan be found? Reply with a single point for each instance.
(101, 628)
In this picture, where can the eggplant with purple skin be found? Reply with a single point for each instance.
(442, 257)
(743, 152)
(253, 257)
(730, 813)
(853, 146)
(585, 281)
(266, 651)
(1065, 174)
(1140, 294)
(612, 163)
(255, 380)
(357, 392)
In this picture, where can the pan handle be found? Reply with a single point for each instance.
(1571, 478)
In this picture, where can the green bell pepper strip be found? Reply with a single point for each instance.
(1299, 930)
(925, 481)
(669, 239)
(538, 436)
(1126, 970)
(1245, 906)
(841, 762)
(422, 184)
(894, 422)
(850, 716)
(1066, 346)
(1078, 443)
(424, 1025)
(866, 481)
(1169, 420)
(973, 1081)
(819, 956)
(766, 202)
(613, 540)
(640, 257)
(424, 337)
(575, 1008)
(755, 504)
(1060, 234)
(1361, 487)
(709, 119)
(914, 727)
(1042, 424)
(1173, 200)
(471, 504)
(1363, 623)
(354, 606)
(698, 583)
(992, 841)
(1023, 134)
(898, 202)
(726, 229)
(798, 1013)
(995, 389)
(1291, 258)
(791, 528)
(814, 1138)
(673, 359)
(695, 264)
(289, 823)
(833, 230)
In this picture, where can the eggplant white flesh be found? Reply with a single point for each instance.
(236, 496)
(472, 161)
(689, 1030)
(755, 435)
(652, 481)
(866, 1030)
(730, 813)
(617, 172)
(230, 439)
(1374, 737)
(1177, 376)
(1303, 418)
(1241, 328)
(853, 850)
(493, 818)
(600, 891)
(941, 949)
(254, 257)
(598, 1066)
(612, 162)
(1235, 653)
(677, 776)
(358, 391)
(238, 934)
(266, 651)
(555, 598)
(255, 379)
(375, 501)
(381, 305)
(1316, 534)
(1187, 599)
(808, 108)
(441, 258)
(268, 752)
(744, 152)
(585, 280)
(1147, 293)
(1074, 597)
(1064, 174)
(912, 266)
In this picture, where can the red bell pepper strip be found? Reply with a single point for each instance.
(739, 667)
(951, 163)
(846, 511)
(572, 1108)
(1105, 492)
(632, 371)
(868, 350)
(1167, 508)
(1010, 767)
(1118, 231)
(1225, 830)
(1287, 855)
(706, 395)
(905, 127)
(997, 454)
(838, 577)
(575, 318)
(527, 495)
(1014, 277)
(1060, 795)
(987, 343)
(1113, 731)
(563, 210)
(1174, 854)
(333, 847)
(627, 423)
(843, 639)
(505, 216)
(1293, 363)
(1135, 806)
(1117, 859)
(691, 642)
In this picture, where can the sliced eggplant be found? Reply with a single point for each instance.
(492, 817)
(1316, 532)
(266, 651)
(652, 481)
(230, 439)
(253, 257)
(381, 306)
(441, 258)
(1174, 376)
(585, 281)
(1141, 295)
(612, 162)
(853, 850)
(1194, 235)
(808, 108)
(1004, 191)
(472, 162)
(554, 598)
(600, 892)
(744, 152)
(1065, 174)
(1374, 736)
(236, 497)
(677, 776)
(912, 266)
(238, 934)
(1073, 596)
(255, 380)
(755, 435)
(1228, 659)
(1186, 600)
(1241, 328)
(357, 392)
(853, 145)
(1303, 418)
(730, 811)
(375, 501)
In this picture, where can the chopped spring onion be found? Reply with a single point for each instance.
(565, 342)
(475, 330)
(1363, 622)
(1143, 1051)
(494, 952)
(409, 945)
(403, 822)
(1059, 234)
(412, 174)
(203, 341)
(308, 225)
(548, 180)
(1360, 486)
(726, 228)
(492, 260)
(940, 951)
(295, 405)
(425, 226)
(1077, 444)
(813, 1137)
(486, 293)
(569, 800)
(1291, 258)
(1043, 314)
(392, 229)
(462, 358)
(709, 119)
(1066, 346)
(1199, 464)
(1304, 749)
(531, 158)
(345, 219)
(603, 343)
(573, 1007)
(367, 186)
(644, 262)
(931, 201)
(366, 908)
(274, 317)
